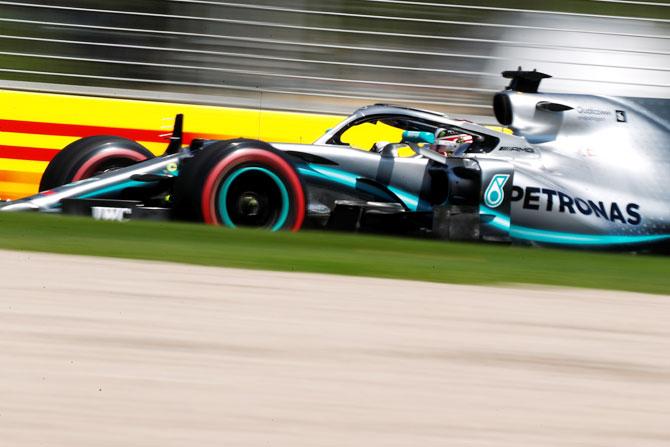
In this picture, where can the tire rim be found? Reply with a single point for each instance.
(254, 197)
(246, 157)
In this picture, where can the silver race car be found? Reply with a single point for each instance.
(575, 170)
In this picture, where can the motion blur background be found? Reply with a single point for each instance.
(332, 56)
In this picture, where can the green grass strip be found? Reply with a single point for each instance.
(346, 254)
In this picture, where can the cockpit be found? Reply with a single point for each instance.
(393, 134)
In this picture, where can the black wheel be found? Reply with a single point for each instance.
(241, 183)
(90, 156)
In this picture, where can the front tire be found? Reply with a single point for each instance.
(241, 183)
(90, 156)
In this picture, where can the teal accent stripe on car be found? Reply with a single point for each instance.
(500, 221)
(503, 222)
(112, 188)
(411, 201)
(283, 215)
(581, 239)
(350, 180)
(329, 174)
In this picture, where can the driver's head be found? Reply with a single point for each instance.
(447, 144)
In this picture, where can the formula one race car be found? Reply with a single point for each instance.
(578, 170)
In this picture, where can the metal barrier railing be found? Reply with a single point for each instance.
(331, 56)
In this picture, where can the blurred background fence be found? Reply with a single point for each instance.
(331, 56)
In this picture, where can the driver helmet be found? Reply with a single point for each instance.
(447, 142)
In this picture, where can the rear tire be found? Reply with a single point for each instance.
(241, 183)
(90, 156)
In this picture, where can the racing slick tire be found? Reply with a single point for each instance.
(89, 156)
(241, 183)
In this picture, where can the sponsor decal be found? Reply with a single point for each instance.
(528, 150)
(534, 198)
(593, 114)
(621, 116)
(110, 214)
(495, 193)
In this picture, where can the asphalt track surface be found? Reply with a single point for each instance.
(100, 352)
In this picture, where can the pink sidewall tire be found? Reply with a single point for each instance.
(241, 183)
(89, 156)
